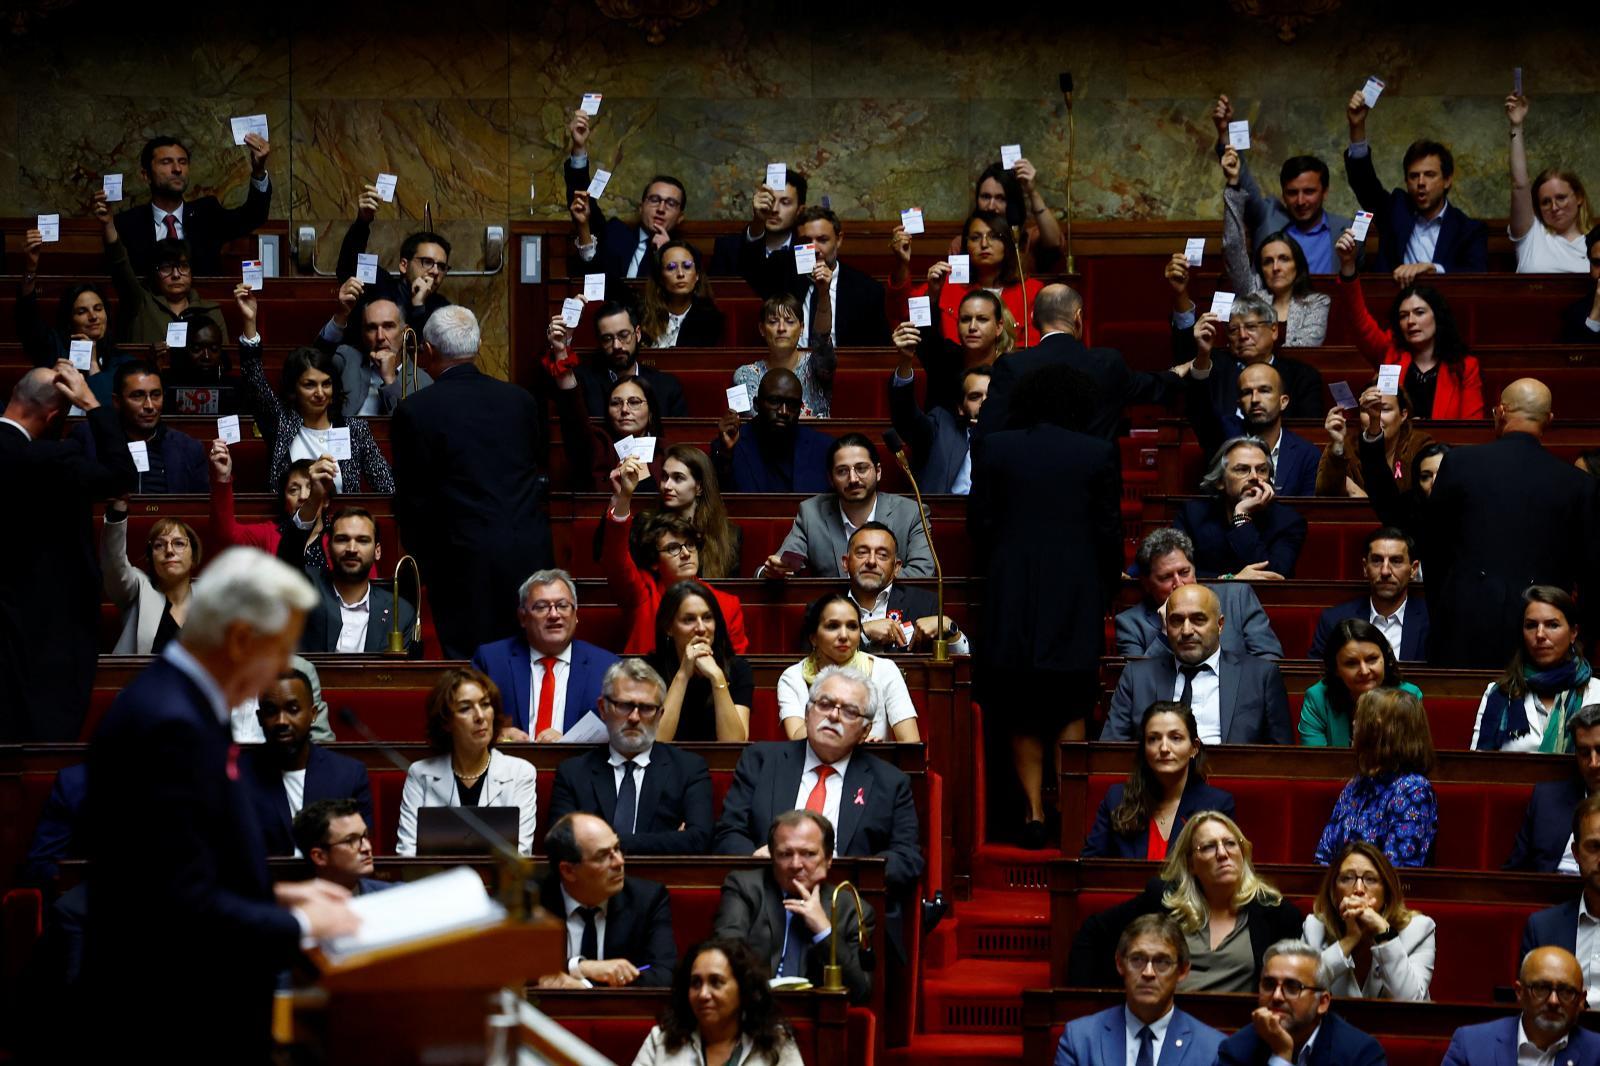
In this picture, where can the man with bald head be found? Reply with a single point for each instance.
(1236, 698)
(1550, 991)
(1263, 404)
(1058, 318)
(1503, 516)
(773, 452)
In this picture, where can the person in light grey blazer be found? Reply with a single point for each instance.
(1165, 560)
(359, 371)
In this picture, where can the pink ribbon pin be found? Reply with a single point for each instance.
(861, 797)
(233, 762)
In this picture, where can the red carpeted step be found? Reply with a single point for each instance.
(979, 995)
(938, 1049)
(1003, 925)
(1009, 869)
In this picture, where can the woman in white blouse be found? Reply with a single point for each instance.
(1547, 682)
(1372, 945)
(154, 602)
(1549, 216)
(721, 1013)
(1278, 269)
(464, 712)
(832, 629)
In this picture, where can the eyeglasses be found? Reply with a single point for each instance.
(860, 470)
(643, 710)
(354, 840)
(177, 544)
(172, 270)
(676, 548)
(429, 263)
(830, 706)
(1540, 990)
(1211, 847)
(1351, 880)
(622, 336)
(1161, 964)
(1238, 327)
(633, 403)
(546, 606)
(1291, 987)
(669, 202)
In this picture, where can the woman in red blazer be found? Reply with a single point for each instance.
(1435, 369)
(994, 264)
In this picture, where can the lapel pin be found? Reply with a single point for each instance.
(861, 797)
(1177, 1043)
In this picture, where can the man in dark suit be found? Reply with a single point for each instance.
(1388, 562)
(939, 437)
(1253, 336)
(872, 562)
(424, 264)
(782, 911)
(774, 453)
(1544, 843)
(200, 913)
(469, 493)
(50, 597)
(1241, 530)
(1503, 516)
(856, 299)
(617, 323)
(1165, 562)
(204, 223)
(1058, 316)
(619, 929)
(1550, 991)
(176, 460)
(289, 772)
(1580, 320)
(1558, 926)
(619, 249)
(657, 797)
(771, 229)
(1236, 699)
(1293, 1012)
(1419, 230)
(356, 615)
(1262, 403)
(333, 836)
(544, 702)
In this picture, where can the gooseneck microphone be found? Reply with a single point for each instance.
(941, 645)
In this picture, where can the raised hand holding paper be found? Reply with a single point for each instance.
(112, 184)
(921, 309)
(597, 184)
(572, 311)
(256, 124)
(738, 399)
(911, 221)
(228, 429)
(777, 176)
(177, 334)
(961, 269)
(1009, 154)
(339, 443)
(1239, 135)
(386, 184)
(594, 287)
(1194, 250)
(1222, 304)
(1360, 224)
(590, 105)
(250, 273)
(141, 455)
(1342, 395)
(1389, 379)
(805, 258)
(81, 353)
(367, 269)
(1372, 90)
(49, 228)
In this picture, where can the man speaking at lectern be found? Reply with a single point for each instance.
(186, 933)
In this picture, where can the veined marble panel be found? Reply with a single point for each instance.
(624, 140)
(461, 51)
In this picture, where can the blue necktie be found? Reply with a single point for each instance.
(796, 941)
(1147, 1043)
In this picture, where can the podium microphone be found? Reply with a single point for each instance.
(1072, 143)
(941, 645)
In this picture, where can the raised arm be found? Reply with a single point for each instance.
(1522, 210)
(1038, 210)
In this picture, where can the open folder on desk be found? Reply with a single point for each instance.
(444, 903)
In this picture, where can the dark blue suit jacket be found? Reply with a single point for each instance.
(59, 832)
(1554, 926)
(675, 790)
(1223, 548)
(1547, 826)
(508, 664)
(328, 776)
(745, 469)
(1413, 632)
(182, 458)
(1495, 1044)
(1338, 1044)
(638, 927)
(1463, 246)
(938, 438)
(1101, 1039)
(1104, 843)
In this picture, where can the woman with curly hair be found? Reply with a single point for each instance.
(722, 1013)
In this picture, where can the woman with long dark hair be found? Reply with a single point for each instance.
(679, 310)
(1356, 660)
(992, 257)
(1342, 474)
(1013, 193)
(709, 688)
(831, 633)
(82, 313)
(721, 1013)
(1547, 681)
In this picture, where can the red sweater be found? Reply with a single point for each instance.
(1459, 393)
(640, 592)
(1018, 302)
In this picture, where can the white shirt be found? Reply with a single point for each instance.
(888, 683)
(1205, 701)
(833, 304)
(962, 485)
(353, 619)
(849, 526)
(669, 336)
(641, 762)
(879, 608)
(834, 789)
(1588, 945)
(575, 932)
(1425, 238)
(312, 444)
(1393, 627)
(1302, 1056)
(294, 787)
(562, 669)
(12, 421)
(1528, 1053)
(1158, 1029)
(1542, 252)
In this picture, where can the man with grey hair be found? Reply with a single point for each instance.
(1241, 530)
(162, 761)
(657, 797)
(1252, 331)
(1164, 562)
(864, 797)
(549, 679)
(1292, 1023)
(469, 459)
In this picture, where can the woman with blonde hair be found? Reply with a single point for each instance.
(1208, 885)
(1372, 944)
(1549, 215)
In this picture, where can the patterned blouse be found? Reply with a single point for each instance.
(1396, 813)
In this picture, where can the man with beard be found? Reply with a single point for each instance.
(370, 371)
(356, 615)
(657, 797)
(618, 327)
(1241, 530)
(776, 453)
(822, 530)
(1253, 334)
(771, 228)
(424, 264)
(1549, 989)
(1292, 1022)
(204, 223)
(609, 245)
(289, 773)
(1262, 404)
(940, 439)
(176, 461)
(1388, 562)
(1236, 698)
(333, 836)
(872, 563)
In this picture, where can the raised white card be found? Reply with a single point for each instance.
(1342, 395)
(339, 443)
(644, 449)
(961, 269)
(598, 183)
(590, 104)
(386, 184)
(250, 274)
(1009, 154)
(572, 311)
(588, 730)
(1194, 250)
(911, 221)
(81, 353)
(49, 228)
(1389, 379)
(738, 399)
(367, 268)
(805, 258)
(921, 310)
(1239, 135)
(228, 429)
(777, 176)
(1372, 90)
(112, 184)
(243, 124)
(623, 448)
(1222, 304)
(141, 455)
(177, 334)
(1360, 224)
(594, 286)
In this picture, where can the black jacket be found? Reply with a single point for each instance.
(1116, 386)
(675, 790)
(1463, 246)
(207, 226)
(859, 320)
(328, 776)
(638, 928)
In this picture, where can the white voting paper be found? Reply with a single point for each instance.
(177, 334)
(141, 455)
(921, 309)
(367, 268)
(256, 124)
(1194, 250)
(455, 899)
(250, 273)
(805, 258)
(112, 184)
(339, 443)
(738, 399)
(49, 228)
(598, 183)
(594, 287)
(572, 311)
(1372, 90)
(228, 429)
(590, 104)
(1359, 225)
(1342, 394)
(1389, 379)
(1222, 304)
(911, 221)
(1009, 154)
(961, 269)
(588, 730)
(1239, 135)
(777, 176)
(386, 184)
(81, 353)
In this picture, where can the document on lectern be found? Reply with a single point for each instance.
(443, 903)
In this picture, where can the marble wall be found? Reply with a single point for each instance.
(467, 103)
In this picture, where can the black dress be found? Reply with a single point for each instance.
(698, 718)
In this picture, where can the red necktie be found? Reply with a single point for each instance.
(547, 696)
(819, 791)
(172, 227)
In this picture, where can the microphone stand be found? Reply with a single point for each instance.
(941, 645)
(1072, 144)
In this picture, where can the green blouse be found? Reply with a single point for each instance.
(1323, 727)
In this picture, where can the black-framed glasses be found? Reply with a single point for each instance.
(172, 270)
(1291, 987)
(428, 262)
(670, 202)
(1540, 990)
(1351, 880)
(354, 840)
(546, 606)
(676, 548)
(643, 710)
(848, 711)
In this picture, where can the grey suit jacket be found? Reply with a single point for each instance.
(1253, 706)
(1246, 629)
(752, 910)
(353, 376)
(818, 534)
